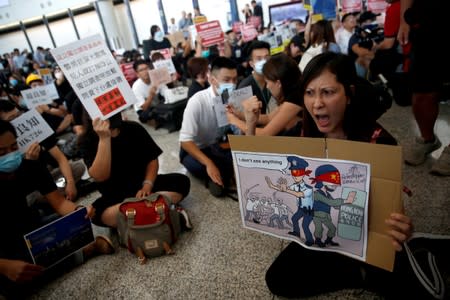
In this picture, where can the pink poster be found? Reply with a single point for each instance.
(376, 6)
(349, 6)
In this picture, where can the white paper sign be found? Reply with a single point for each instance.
(219, 109)
(40, 95)
(161, 76)
(30, 128)
(166, 63)
(237, 96)
(95, 76)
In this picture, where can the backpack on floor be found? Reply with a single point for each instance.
(148, 227)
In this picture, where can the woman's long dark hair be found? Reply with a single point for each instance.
(284, 68)
(358, 122)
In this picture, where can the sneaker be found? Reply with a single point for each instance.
(442, 165)
(185, 223)
(215, 189)
(416, 153)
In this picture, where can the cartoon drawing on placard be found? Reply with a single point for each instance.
(329, 198)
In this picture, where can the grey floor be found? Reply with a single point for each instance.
(219, 259)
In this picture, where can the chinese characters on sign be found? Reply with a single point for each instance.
(40, 95)
(93, 72)
(110, 101)
(30, 128)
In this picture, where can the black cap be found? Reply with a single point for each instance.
(366, 16)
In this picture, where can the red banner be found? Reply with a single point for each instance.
(249, 32)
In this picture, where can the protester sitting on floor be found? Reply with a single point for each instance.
(200, 136)
(55, 114)
(283, 77)
(146, 92)
(198, 70)
(332, 110)
(51, 156)
(258, 54)
(20, 175)
(123, 158)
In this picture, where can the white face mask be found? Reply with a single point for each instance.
(259, 65)
(59, 75)
(159, 36)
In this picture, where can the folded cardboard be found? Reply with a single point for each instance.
(385, 186)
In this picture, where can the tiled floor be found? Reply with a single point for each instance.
(219, 259)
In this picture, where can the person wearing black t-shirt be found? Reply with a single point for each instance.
(157, 42)
(19, 176)
(123, 158)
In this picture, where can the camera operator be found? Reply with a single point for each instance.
(362, 44)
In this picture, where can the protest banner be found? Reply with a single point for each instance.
(237, 26)
(94, 74)
(210, 33)
(30, 128)
(376, 6)
(365, 182)
(349, 6)
(200, 19)
(40, 95)
(325, 8)
(129, 72)
(248, 32)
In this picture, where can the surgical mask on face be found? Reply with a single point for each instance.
(205, 53)
(13, 82)
(59, 75)
(226, 86)
(259, 66)
(23, 103)
(159, 36)
(10, 162)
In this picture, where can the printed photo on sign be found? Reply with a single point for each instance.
(321, 204)
(59, 239)
(46, 75)
(40, 95)
(30, 128)
(92, 71)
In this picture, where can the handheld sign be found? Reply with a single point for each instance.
(40, 95)
(57, 240)
(94, 74)
(30, 128)
(161, 76)
(210, 33)
(166, 63)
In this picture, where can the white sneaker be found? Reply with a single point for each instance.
(416, 153)
(442, 165)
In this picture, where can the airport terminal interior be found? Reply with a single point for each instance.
(218, 258)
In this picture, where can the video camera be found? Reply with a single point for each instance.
(368, 34)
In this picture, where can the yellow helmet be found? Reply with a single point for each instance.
(32, 77)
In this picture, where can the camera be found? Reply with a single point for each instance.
(368, 34)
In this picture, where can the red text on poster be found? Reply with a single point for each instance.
(110, 101)
(210, 33)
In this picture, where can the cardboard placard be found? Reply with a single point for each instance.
(40, 95)
(210, 33)
(249, 32)
(349, 6)
(92, 71)
(176, 37)
(376, 6)
(30, 128)
(385, 183)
